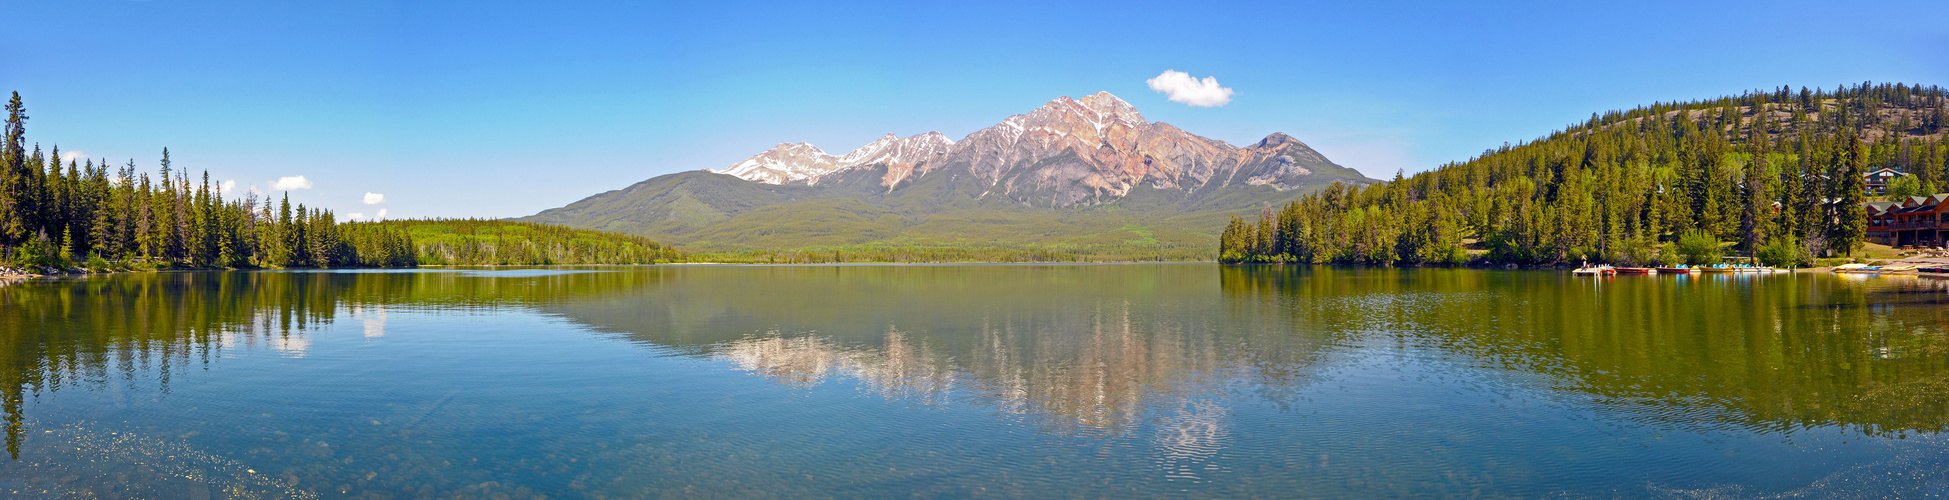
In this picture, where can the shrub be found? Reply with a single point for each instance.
(1698, 248)
(1783, 253)
(1905, 186)
(38, 252)
(1638, 251)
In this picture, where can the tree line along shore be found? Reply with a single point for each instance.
(89, 217)
(1777, 175)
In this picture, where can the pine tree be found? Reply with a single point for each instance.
(1752, 220)
(34, 192)
(145, 220)
(1849, 225)
(183, 243)
(55, 215)
(101, 232)
(290, 235)
(125, 210)
(14, 206)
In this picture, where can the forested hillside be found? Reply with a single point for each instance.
(87, 214)
(496, 242)
(1776, 173)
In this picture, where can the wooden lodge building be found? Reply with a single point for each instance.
(1877, 181)
(1916, 221)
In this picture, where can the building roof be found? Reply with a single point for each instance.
(1912, 204)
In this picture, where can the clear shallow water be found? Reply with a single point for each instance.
(953, 381)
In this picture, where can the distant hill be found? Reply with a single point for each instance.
(494, 242)
(1085, 176)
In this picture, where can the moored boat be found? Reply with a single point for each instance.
(1637, 270)
(1601, 270)
(1678, 270)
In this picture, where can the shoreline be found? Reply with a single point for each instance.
(10, 274)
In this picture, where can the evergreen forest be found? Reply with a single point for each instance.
(497, 242)
(1776, 175)
(91, 215)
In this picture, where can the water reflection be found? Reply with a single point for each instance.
(1075, 349)
(88, 331)
(375, 320)
(898, 369)
(91, 332)
(1173, 357)
(1774, 352)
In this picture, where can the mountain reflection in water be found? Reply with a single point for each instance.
(1075, 348)
(1167, 355)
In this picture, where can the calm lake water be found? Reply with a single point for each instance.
(957, 381)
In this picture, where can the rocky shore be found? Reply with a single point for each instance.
(14, 273)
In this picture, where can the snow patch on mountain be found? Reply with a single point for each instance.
(802, 162)
(1065, 152)
(783, 163)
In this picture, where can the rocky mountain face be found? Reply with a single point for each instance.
(1086, 173)
(1067, 152)
(805, 163)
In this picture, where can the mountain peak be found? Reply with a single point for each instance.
(1103, 101)
(1277, 139)
(797, 148)
(868, 151)
(1065, 152)
(1098, 107)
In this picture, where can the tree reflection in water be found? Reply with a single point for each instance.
(1769, 353)
(1090, 350)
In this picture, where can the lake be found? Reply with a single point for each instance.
(1120, 381)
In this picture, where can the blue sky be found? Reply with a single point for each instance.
(494, 109)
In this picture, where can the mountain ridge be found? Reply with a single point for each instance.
(1115, 146)
(1086, 165)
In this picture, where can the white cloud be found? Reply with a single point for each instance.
(374, 198)
(227, 187)
(74, 155)
(361, 216)
(291, 183)
(1182, 87)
